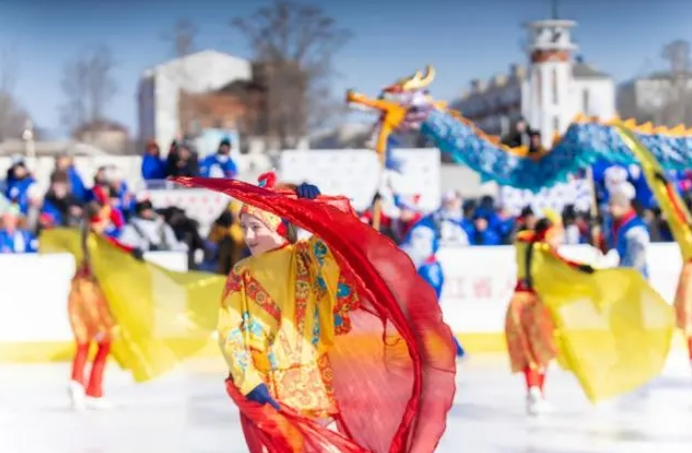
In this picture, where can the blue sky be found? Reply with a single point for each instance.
(464, 39)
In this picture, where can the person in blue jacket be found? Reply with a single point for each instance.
(482, 234)
(421, 244)
(153, 166)
(627, 233)
(77, 187)
(60, 207)
(19, 182)
(220, 164)
(13, 238)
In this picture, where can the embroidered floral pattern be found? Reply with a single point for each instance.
(320, 251)
(289, 363)
(235, 340)
(316, 327)
(346, 301)
(346, 298)
(251, 325)
(234, 283)
(530, 332)
(88, 310)
(308, 388)
(302, 294)
(272, 360)
(256, 292)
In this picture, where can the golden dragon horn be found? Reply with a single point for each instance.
(403, 82)
(419, 81)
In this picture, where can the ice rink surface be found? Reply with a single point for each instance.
(188, 412)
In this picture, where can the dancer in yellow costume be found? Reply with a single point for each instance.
(316, 339)
(611, 329)
(91, 318)
(529, 327)
(281, 362)
(680, 223)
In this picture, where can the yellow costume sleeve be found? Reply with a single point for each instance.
(238, 331)
(334, 292)
(613, 329)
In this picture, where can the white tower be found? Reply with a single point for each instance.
(547, 92)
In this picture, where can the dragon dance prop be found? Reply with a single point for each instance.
(393, 116)
(407, 105)
(584, 143)
(390, 120)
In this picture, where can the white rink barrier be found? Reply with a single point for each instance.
(479, 281)
(478, 285)
(33, 307)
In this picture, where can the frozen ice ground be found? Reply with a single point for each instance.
(188, 412)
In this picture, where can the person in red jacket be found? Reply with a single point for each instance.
(110, 217)
(90, 316)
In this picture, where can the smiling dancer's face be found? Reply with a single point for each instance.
(259, 238)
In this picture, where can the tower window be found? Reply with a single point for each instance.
(554, 87)
(556, 124)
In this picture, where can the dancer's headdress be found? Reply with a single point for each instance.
(272, 221)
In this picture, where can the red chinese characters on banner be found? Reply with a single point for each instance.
(479, 287)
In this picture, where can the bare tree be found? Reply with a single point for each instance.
(183, 41)
(677, 108)
(296, 43)
(182, 37)
(13, 118)
(8, 70)
(88, 85)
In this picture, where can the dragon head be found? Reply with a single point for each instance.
(403, 105)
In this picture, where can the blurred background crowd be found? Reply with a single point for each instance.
(72, 196)
(274, 101)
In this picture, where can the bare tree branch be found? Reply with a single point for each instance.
(73, 113)
(298, 42)
(8, 70)
(183, 41)
(88, 85)
(677, 106)
(13, 118)
(182, 37)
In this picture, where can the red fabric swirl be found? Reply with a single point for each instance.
(394, 373)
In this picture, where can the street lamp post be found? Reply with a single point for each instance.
(29, 144)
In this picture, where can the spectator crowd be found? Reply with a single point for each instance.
(133, 219)
(70, 198)
(183, 160)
